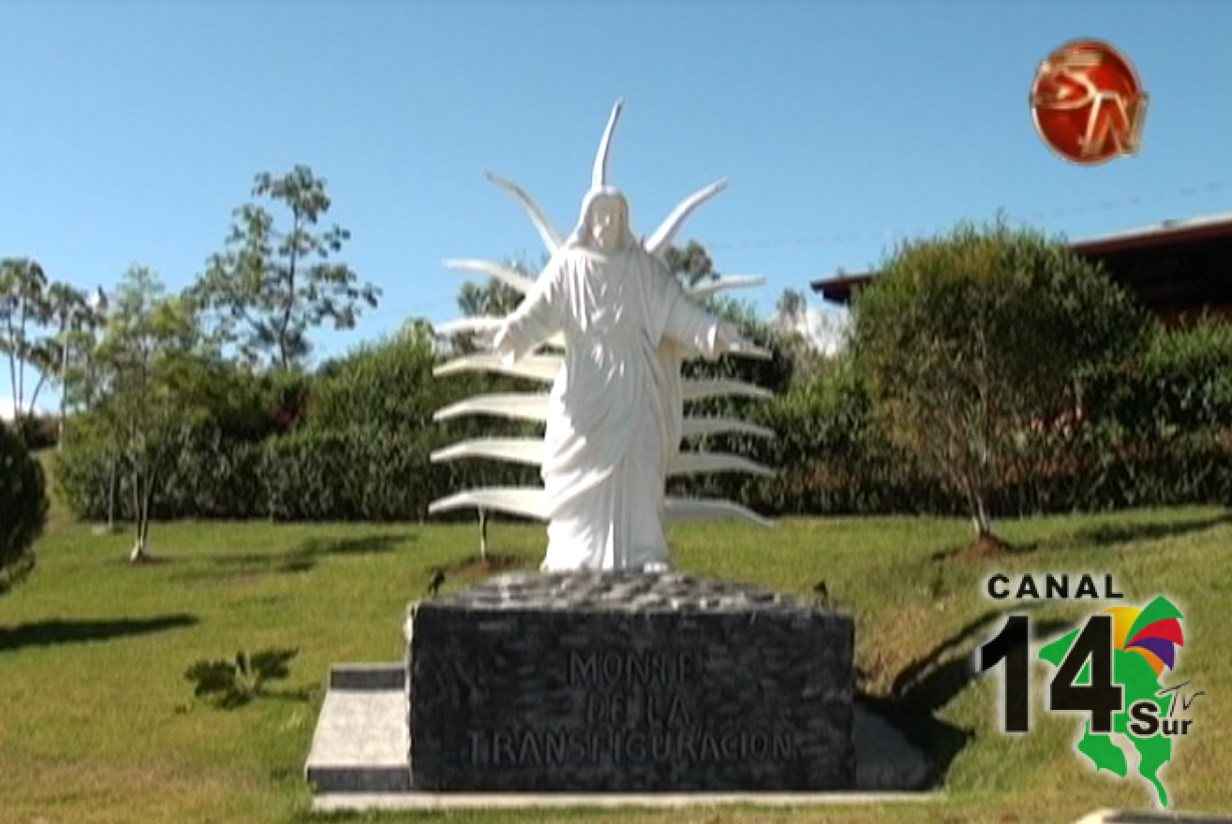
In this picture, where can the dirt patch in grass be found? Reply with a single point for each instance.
(985, 546)
(474, 566)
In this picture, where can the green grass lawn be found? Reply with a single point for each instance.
(97, 722)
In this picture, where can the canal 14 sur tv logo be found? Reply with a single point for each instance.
(1109, 667)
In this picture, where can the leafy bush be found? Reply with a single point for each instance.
(1181, 385)
(387, 385)
(1161, 427)
(212, 476)
(351, 444)
(215, 470)
(1154, 430)
(354, 474)
(974, 343)
(40, 431)
(829, 457)
(23, 508)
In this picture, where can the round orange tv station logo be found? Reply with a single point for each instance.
(1087, 102)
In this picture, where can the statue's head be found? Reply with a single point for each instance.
(604, 222)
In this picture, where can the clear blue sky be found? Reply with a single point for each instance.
(129, 131)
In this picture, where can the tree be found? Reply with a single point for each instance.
(42, 324)
(155, 369)
(80, 382)
(270, 287)
(692, 264)
(973, 345)
(791, 307)
(23, 508)
(23, 309)
(494, 298)
(73, 320)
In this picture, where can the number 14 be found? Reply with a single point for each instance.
(1097, 695)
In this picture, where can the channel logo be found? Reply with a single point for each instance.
(1087, 103)
(1110, 668)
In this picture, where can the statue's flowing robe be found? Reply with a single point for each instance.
(614, 410)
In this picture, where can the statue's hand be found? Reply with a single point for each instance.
(481, 330)
(729, 340)
(484, 334)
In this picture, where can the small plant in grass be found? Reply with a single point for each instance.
(231, 684)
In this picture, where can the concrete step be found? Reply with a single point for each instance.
(419, 800)
(367, 676)
(359, 780)
(1132, 817)
(361, 744)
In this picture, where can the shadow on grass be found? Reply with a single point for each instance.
(1102, 536)
(50, 633)
(298, 560)
(357, 545)
(296, 695)
(924, 686)
(1108, 535)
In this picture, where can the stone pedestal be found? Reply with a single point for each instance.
(628, 682)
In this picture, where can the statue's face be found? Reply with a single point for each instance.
(608, 223)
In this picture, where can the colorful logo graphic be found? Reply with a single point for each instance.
(1110, 668)
(1144, 642)
(1087, 103)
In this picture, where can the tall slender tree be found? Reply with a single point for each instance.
(271, 286)
(153, 360)
(69, 314)
(23, 310)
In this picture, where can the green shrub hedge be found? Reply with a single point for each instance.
(23, 508)
(353, 443)
(1156, 431)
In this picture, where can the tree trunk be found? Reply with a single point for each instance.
(63, 391)
(138, 553)
(37, 387)
(981, 520)
(483, 534)
(144, 521)
(19, 396)
(13, 375)
(111, 492)
(286, 311)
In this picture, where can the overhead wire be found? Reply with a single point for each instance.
(832, 238)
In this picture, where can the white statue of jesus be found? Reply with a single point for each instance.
(613, 412)
(614, 417)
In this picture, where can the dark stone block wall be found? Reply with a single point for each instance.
(625, 681)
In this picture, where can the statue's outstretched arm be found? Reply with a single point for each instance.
(535, 320)
(700, 332)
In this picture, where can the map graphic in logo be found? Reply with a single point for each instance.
(1087, 103)
(1142, 711)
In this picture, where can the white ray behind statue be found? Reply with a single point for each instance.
(613, 417)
